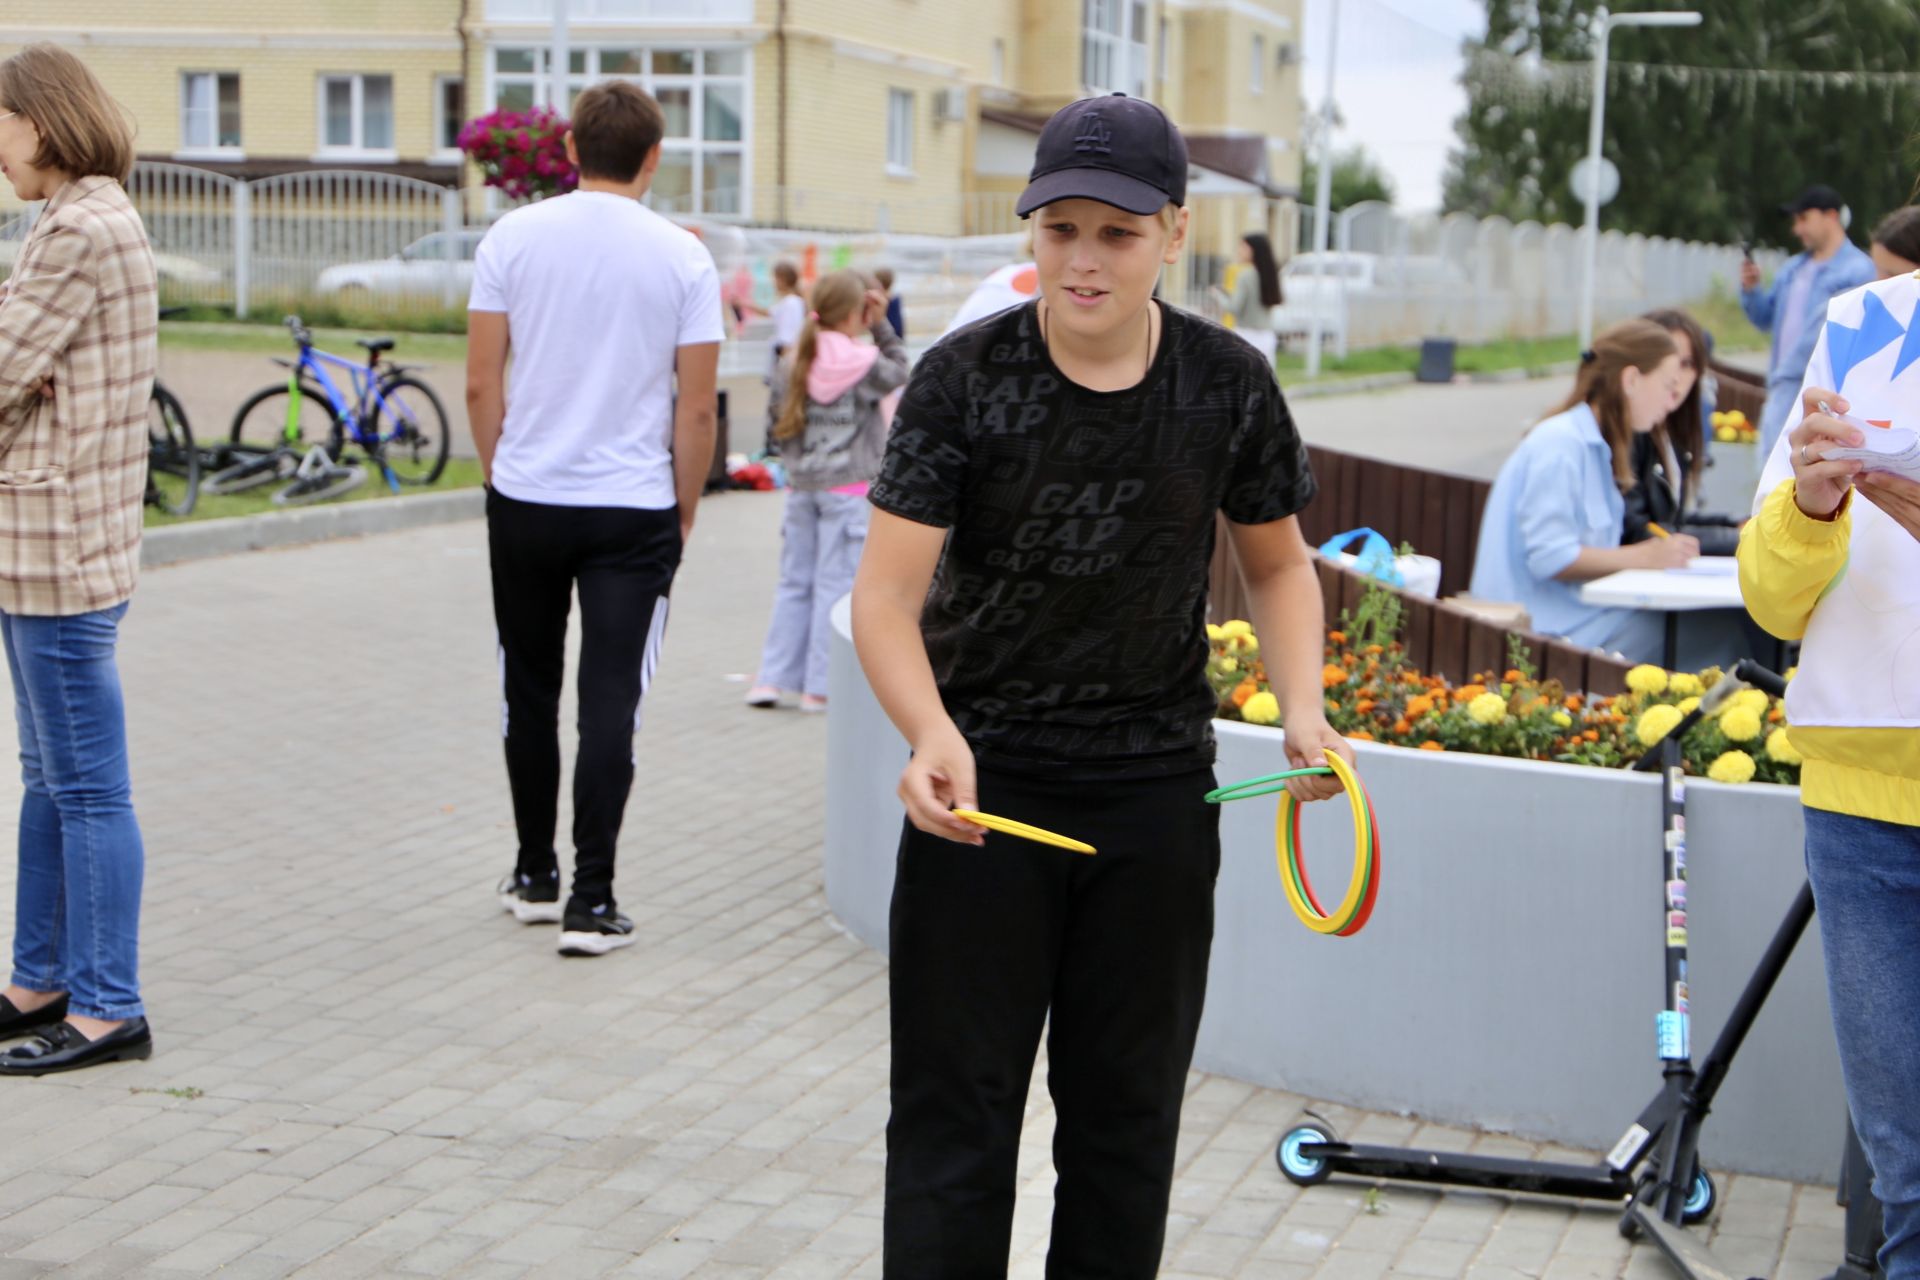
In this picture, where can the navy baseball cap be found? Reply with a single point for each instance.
(1818, 196)
(1118, 150)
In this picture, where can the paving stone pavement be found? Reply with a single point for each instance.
(366, 1069)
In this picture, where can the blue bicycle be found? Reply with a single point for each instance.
(301, 430)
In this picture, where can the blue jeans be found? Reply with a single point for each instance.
(821, 539)
(1781, 397)
(76, 921)
(1866, 888)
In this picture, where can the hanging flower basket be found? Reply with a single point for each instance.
(523, 153)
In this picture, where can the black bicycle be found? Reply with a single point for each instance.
(173, 462)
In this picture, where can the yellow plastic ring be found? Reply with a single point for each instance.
(1365, 870)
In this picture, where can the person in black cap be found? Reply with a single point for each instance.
(1793, 308)
(1030, 612)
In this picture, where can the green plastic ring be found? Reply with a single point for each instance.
(1264, 786)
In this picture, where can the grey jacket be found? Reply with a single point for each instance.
(845, 441)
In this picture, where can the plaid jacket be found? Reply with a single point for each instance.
(80, 313)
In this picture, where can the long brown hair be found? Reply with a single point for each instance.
(836, 296)
(83, 131)
(1682, 428)
(1637, 344)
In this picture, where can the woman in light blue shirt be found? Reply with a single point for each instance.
(1553, 520)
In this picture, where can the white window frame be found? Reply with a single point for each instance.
(901, 124)
(1257, 70)
(214, 151)
(1113, 44)
(438, 151)
(695, 145)
(357, 149)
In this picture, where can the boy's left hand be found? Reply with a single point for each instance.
(1308, 743)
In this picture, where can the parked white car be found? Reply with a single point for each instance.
(171, 268)
(416, 272)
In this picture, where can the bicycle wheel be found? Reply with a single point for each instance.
(173, 463)
(264, 419)
(330, 483)
(409, 427)
(254, 470)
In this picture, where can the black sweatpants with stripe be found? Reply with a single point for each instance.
(622, 561)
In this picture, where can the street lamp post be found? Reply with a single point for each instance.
(1596, 120)
(559, 61)
(1322, 203)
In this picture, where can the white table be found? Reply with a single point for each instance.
(1708, 582)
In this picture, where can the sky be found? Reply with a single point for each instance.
(1395, 82)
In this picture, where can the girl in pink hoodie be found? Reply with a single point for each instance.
(830, 426)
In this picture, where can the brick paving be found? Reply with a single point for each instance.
(365, 1069)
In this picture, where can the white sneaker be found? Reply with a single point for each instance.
(763, 695)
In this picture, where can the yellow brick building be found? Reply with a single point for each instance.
(907, 115)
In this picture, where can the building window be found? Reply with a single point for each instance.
(449, 112)
(1257, 74)
(899, 131)
(356, 114)
(1113, 46)
(702, 92)
(210, 111)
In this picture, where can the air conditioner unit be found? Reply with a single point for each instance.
(950, 104)
(1287, 55)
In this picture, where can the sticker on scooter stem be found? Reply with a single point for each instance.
(1628, 1149)
(1677, 895)
(1673, 1036)
(1676, 938)
(1677, 783)
(1680, 998)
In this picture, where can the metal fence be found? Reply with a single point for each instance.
(378, 243)
(1395, 279)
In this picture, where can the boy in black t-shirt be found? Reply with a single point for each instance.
(1030, 612)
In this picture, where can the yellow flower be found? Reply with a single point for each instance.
(1647, 678)
(1655, 723)
(1227, 666)
(1734, 766)
(1237, 627)
(1682, 684)
(1740, 724)
(1562, 719)
(1261, 708)
(1687, 705)
(1778, 748)
(1488, 708)
(1791, 673)
(1215, 634)
(1752, 699)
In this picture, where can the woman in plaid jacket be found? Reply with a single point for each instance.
(77, 338)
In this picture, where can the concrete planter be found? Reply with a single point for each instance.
(1512, 970)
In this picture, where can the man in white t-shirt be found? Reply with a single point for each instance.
(595, 455)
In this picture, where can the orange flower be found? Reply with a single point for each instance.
(1363, 706)
(1360, 735)
(1331, 675)
(1336, 637)
(1375, 650)
(1431, 745)
(1775, 716)
(1513, 677)
(1468, 692)
(1573, 702)
(1350, 661)
(1417, 707)
(1591, 735)
(1402, 728)
(1244, 690)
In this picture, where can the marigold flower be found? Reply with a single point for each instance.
(1562, 719)
(1682, 684)
(1261, 708)
(1374, 650)
(1780, 749)
(1331, 675)
(1488, 708)
(1244, 690)
(1431, 745)
(1687, 705)
(1513, 676)
(1647, 678)
(1776, 716)
(1753, 699)
(1360, 735)
(1733, 766)
(1363, 706)
(1215, 634)
(1591, 735)
(1655, 723)
(1237, 627)
(1740, 724)
(1573, 702)
(1468, 692)
(1417, 707)
(1336, 637)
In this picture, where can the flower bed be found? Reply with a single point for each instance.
(1373, 695)
(524, 153)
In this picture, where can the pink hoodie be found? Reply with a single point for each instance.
(839, 362)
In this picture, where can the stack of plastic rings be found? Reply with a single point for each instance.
(1357, 906)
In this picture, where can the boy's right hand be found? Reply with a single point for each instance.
(1749, 275)
(939, 778)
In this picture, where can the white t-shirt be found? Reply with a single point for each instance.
(599, 293)
(789, 316)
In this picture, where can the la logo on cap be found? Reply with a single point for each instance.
(1094, 135)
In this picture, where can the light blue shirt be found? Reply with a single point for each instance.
(1555, 495)
(1793, 337)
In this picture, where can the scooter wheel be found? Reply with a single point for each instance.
(1303, 1170)
(1702, 1196)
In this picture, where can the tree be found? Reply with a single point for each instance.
(1356, 177)
(1712, 127)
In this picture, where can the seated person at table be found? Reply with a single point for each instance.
(1668, 460)
(1554, 518)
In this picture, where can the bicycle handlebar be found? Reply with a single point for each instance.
(301, 334)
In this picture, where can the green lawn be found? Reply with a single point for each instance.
(461, 473)
(253, 339)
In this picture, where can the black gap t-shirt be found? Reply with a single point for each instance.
(1066, 621)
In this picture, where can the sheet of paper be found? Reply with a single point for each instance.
(1711, 567)
(1893, 449)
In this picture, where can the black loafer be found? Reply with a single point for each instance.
(62, 1048)
(16, 1022)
